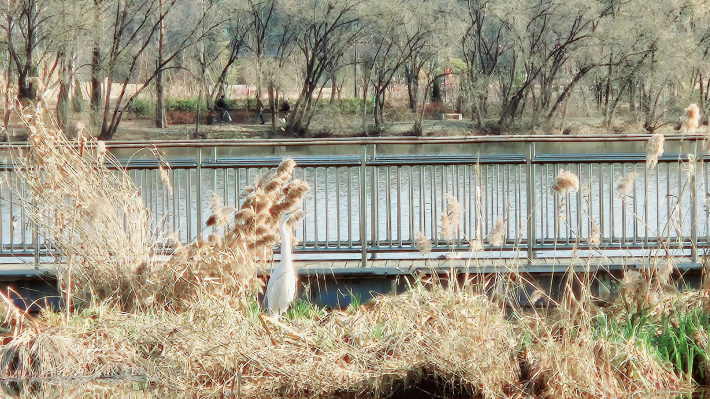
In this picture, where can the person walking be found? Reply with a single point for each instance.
(259, 109)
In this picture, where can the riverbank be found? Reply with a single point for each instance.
(452, 342)
(325, 126)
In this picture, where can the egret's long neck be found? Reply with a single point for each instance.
(286, 254)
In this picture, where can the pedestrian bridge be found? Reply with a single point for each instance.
(370, 198)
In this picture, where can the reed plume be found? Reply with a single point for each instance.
(692, 118)
(422, 243)
(231, 264)
(565, 182)
(449, 221)
(497, 236)
(594, 238)
(88, 207)
(654, 149)
(624, 186)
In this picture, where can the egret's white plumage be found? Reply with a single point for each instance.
(281, 289)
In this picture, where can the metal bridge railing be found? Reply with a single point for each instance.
(371, 197)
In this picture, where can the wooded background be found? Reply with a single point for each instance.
(499, 62)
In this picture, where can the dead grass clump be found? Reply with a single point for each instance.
(430, 336)
(583, 367)
(39, 355)
(378, 349)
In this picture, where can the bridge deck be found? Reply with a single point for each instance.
(17, 270)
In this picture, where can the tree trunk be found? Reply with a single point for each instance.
(96, 83)
(412, 89)
(376, 112)
(27, 88)
(272, 105)
(64, 90)
(333, 88)
(160, 121)
(8, 100)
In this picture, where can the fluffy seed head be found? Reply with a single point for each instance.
(423, 244)
(692, 117)
(497, 237)
(654, 149)
(633, 285)
(475, 245)
(565, 182)
(595, 236)
(624, 186)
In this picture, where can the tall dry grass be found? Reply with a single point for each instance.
(194, 323)
(92, 214)
(88, 209)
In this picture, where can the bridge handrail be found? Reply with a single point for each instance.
(376, 174)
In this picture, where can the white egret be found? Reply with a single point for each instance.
(281, 289)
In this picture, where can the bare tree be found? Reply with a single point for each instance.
(135, 25)
(325, 31)
(26, 41)
(483, 44)
(401, 32)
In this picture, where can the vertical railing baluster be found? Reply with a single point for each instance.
(374, 200)
(399, 206)
(388, 206)
(363, 204)
(348, 171)
(198, 191)
(411, 203)
(530, 190)
(693, 209)
(338, 214)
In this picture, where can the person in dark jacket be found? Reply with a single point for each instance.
(221, 108)
(285, 109)
(259, 109)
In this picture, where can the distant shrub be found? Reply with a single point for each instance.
(236, 104)
(140, 108)
(346, 105)
(184, 104)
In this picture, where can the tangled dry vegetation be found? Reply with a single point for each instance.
(93, 215)
(192, 322)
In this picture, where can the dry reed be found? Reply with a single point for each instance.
(497, 236)
(654, 149)
(692, 118)
(625, 185)
(89, 209)
(203, 332)
(92, 212)
(565, 182)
